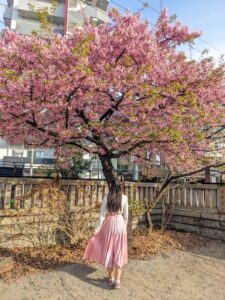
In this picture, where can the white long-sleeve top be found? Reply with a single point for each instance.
(103, 211)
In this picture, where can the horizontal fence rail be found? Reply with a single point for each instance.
(23, 192)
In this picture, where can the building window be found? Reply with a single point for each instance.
(17, 153)
(37, 154)
(123, 164)
(95, 164)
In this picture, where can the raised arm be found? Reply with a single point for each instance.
(102, 214)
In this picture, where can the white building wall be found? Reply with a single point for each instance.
(8, 150)
(19, 16)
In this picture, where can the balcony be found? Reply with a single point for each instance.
(25, 10)
(28, 25)
(7, 16)
(100, 4)
(76, 16)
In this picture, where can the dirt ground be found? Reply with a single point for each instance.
(196, 274)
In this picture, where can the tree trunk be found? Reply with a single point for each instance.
(108, 170)
(149, 221)
(148, 216)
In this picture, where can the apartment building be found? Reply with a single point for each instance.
(21, 16)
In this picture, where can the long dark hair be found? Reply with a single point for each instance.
(114, 199)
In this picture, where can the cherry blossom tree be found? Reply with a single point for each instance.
(116, 90)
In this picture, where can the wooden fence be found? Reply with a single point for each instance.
(199, 208)
(84, 192)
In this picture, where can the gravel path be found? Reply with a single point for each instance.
(182, 275)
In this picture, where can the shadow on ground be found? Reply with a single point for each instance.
(83, 271)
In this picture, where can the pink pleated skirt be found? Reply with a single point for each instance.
(109, 246)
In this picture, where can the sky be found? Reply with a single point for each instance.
(2, 8)
(207, 16)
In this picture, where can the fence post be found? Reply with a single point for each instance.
(129, 231)
(7, 198)
(221, 199)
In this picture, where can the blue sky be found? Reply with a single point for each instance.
(205, 15)
(2, 7)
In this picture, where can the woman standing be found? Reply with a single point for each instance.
(109, 246)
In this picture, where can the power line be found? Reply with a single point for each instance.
(126, 9)
(211, 45)
(119, 5)
(146, 4)
(158, 12)
(196, 49)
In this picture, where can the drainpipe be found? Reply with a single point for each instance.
(135, 172)
(31, 161)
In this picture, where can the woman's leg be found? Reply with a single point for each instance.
(118, 272)
(110, 273)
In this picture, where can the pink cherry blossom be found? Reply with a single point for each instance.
(118, 89)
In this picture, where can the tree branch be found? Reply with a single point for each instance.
(80, 146)
(119, 56)
(138, 144)
(35, 125)
(111, 110)
(197, 171)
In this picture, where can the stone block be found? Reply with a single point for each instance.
(210, 216)
(211, 224)
(222, 225)
(156, 218)
(213, 233)
(184, 227)
(156, 211)
(190, 220)
(177, 219)
(187, 213)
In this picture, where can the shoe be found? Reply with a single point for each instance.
(116, 285)
(111, 282)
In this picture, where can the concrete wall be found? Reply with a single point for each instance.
(208, 223)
